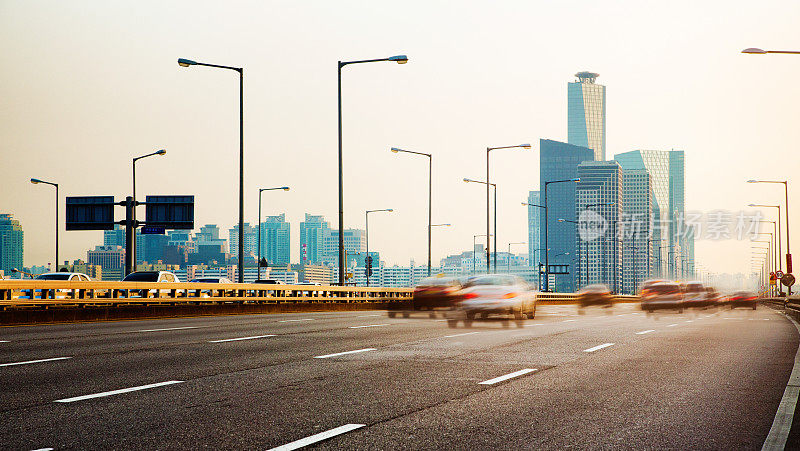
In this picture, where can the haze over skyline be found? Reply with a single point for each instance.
(87, 86)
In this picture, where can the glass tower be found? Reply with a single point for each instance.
(11, 244)
(275, 239)
(586, 114)
(534, 225)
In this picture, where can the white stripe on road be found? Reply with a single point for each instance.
(4, 341)
(168, 328)
(117, 392)
(240, 338)
(568, 320)
(532, 325)
(343, 353)
(645, 332)
(689, 321)
(507, 376)
(673, 325)
(295, 320)
(370, 325)
(366, 316)
(34, 361)
(297, 444)
(460, 335)
(598, 347)
(43, 449)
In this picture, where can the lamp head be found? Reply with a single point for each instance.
(752, 181)
(285, 188)
(14, 270)
(576, 180)
(525, 146)
(34, 181)
(401, 59)
(467, 180)
(183, 62)
(389, 209)
(560, 219)
(754, 51)
(395, 149)
(161, 152)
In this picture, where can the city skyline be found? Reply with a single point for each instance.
(100, 96)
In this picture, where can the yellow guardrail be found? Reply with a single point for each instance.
(572, 298)
(46, 293)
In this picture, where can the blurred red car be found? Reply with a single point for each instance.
(436, 292)
(743, 299)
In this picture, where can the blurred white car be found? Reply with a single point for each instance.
(498, 294)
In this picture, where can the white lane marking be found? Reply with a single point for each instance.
(532, 325)
(295, 320)
(598, 347)
(297, 444)
(568, 320)
(779, 432)
(241, 338)
(168, 328)
(689, 321)
(672, 325)
(507, 376)
(366, 316)
(344, 353)
(43, 449)
(370, 325)
(460, 335)
(437, 320)
(766, 319)
(645, 332)
(4, 341)
(117, 392)
(34, 361)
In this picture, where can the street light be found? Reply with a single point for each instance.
(488, 244)
(399, 59)
(261, 190)
(757, 51)
(785, 214)
(36, 182)
(186, 63)
(366, 215)
(130, 231)
(430, 189)
(546, 245)
(778, 221)
(508, 260)
(488, 150)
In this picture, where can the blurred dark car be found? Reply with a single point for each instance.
(436, 292)
(662, 295)
(595, 294)
(743, 299)
(695, 294)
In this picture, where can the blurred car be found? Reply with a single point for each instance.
(436, 292)
(269, 282)
(595, 294)
(151, 276)
(662, 295)
(743, 299)
(211, 280)
(695, 294)
(56, 294)
(497, 294)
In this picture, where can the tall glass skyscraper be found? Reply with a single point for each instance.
(11, 244)
(559, 161)
(312, 239)
(673, 251)
(586, 114)
(275, 239)
(534, 226)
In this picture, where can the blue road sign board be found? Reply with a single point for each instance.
(90, 213)
(152, 230)
(170, 212)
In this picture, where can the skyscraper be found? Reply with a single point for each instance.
(275, 239)
(11, 243)
(637, 208)
(250, 240)
(312, 239)
(534, 228)
(559, 161)
(586, 114)
(110, 258)
(355, 242)
(599, 202)
(666, 170)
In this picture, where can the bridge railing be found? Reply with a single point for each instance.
(41, 293)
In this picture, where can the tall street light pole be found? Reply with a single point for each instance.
(186, 63)
(399, 59)
(546, 244)
(430, 198)
(367, 268)
(786, 211)
(130, 261)
(55, 185)
(488, 243)
(778, 222)
(261, 190)
(488, 151)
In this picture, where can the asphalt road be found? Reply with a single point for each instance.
(697, 380)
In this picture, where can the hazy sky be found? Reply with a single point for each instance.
(86, 86)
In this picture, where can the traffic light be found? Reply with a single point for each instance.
(368, 270)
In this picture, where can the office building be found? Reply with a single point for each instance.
(111, 260)
(275, 239)
(559, 161)
(671, 245)
(11, 244)
(534, 227)
(598, 207)
(586, 114)
(634, 228)
(250, 241)
(312, 239)
(355, 241)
